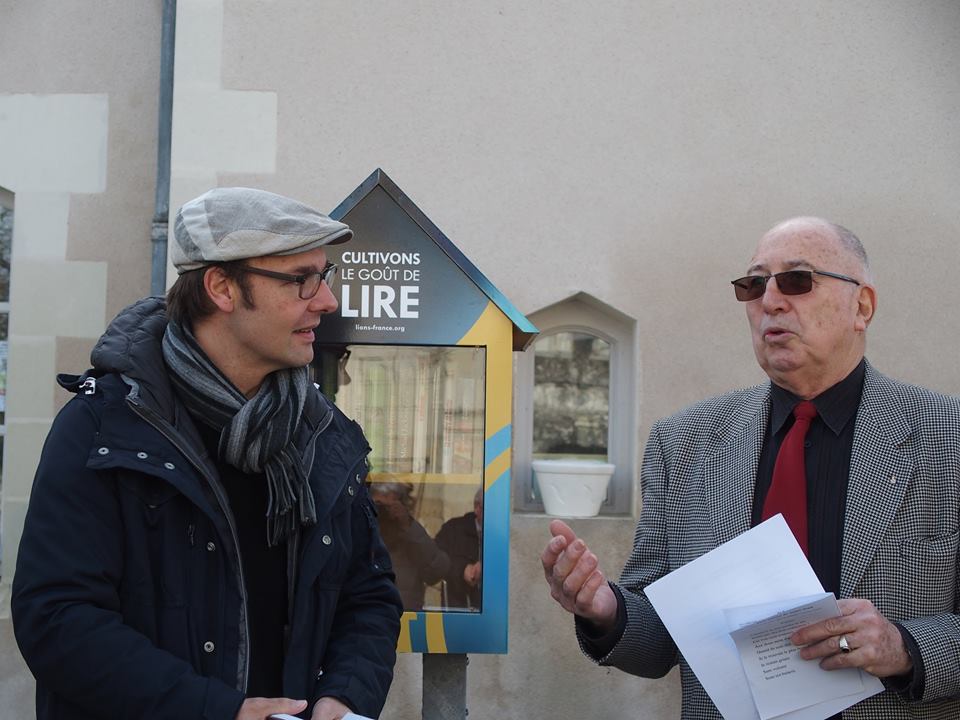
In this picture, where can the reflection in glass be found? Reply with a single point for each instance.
(417, 559)
(571, 397)
(422, 410)
(461, 538)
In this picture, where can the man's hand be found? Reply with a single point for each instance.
(875, 643)
(575, 579)
(471, 574)
(259, 708)
(328, 708)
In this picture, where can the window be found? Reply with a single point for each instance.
(422, 411)
(571, 396)
(576, 398)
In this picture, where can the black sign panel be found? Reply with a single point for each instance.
(395, 284)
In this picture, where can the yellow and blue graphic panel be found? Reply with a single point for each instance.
(486, 631)
(403, 283)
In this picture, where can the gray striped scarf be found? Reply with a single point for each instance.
(256, 435)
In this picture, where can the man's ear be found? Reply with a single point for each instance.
(222, 291)
(866, 307)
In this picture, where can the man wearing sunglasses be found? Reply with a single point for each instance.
(876, 510)
(200, 542)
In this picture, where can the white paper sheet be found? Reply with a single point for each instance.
(779, 680)
(763, 565)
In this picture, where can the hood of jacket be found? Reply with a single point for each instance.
(132, 347)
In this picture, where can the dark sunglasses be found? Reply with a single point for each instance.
(309, 283)
(789, 282)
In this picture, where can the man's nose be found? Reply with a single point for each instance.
(325, 301)
(773, 298)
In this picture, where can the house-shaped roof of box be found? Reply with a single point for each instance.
(381, 213)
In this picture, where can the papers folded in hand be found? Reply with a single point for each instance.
(780, 680)
(763, 565)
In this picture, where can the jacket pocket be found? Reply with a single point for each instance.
(152, 493)
(936, 546)
(325, 598)
(158, 523)
(168, 628)
(932, 564)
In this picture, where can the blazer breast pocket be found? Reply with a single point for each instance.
(931, 562)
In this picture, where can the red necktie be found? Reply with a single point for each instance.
(788, 489)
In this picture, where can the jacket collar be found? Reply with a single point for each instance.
(730, 466)
(880, 469)
(131, 347)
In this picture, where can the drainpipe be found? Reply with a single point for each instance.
(158, 231)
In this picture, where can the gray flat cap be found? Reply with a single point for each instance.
(227, 224)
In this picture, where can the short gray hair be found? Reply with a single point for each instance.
(403, 490)
(851, 243)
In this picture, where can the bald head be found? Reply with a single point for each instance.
(809, 340)
(846, 239)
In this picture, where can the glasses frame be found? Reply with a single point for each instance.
(326, 275)
(766, 279)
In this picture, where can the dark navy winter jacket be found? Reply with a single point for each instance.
(128, 600)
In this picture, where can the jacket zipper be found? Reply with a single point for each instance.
(161, 425)
(172, 436)
(293, 547)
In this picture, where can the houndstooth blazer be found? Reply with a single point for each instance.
(900, 540)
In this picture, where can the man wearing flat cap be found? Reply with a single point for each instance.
(199, 541)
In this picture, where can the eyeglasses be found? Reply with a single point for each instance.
(309, 283)
(789, 282)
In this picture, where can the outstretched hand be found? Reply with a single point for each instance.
(575, 579)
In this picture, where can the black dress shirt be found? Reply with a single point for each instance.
(827, 450)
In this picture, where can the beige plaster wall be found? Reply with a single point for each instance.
(215, 129)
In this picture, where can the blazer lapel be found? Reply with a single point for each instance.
(880, 469)
(730, 467)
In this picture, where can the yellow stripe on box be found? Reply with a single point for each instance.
(495, 331)
(436, 640)
(496, 468)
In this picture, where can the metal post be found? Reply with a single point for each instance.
(444, 686)
(161, 202)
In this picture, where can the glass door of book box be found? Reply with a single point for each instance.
(422, 410)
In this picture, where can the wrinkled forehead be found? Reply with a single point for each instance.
(802, 245)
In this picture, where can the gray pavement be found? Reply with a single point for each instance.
(16, 682)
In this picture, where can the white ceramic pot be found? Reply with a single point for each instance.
(572, 488)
